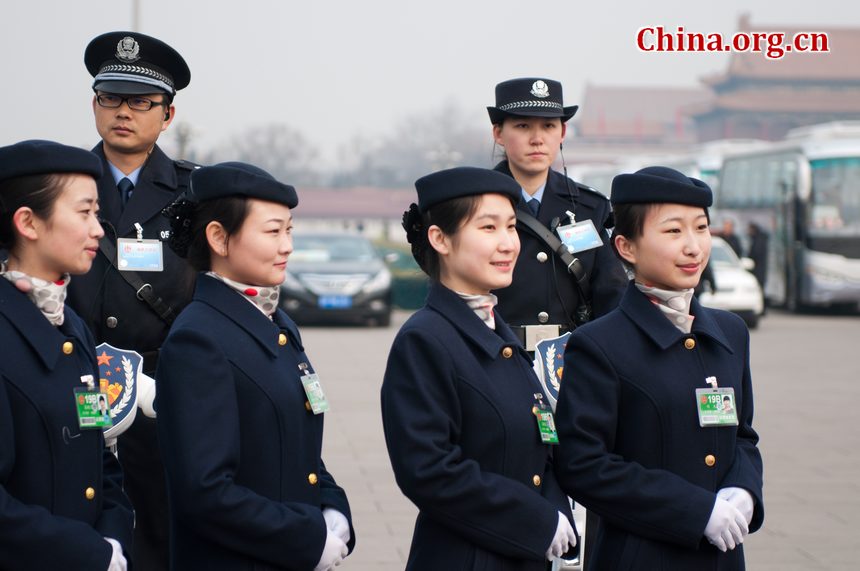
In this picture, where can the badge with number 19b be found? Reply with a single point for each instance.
(546, 423)
(716, 407)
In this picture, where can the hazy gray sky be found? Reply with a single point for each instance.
(337, 69)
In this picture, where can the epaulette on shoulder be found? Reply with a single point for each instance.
(186, 165)
(590, 190)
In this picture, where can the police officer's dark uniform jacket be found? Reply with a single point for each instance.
(242, 450)
(541, 281)
(464, 443)
(60, 489)
(632, 449)
(132, 63)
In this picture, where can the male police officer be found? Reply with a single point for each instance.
(136, 285)
(553, 289)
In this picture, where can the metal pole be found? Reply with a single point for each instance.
(135, 15)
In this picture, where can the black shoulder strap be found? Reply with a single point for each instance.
(143, 291)
(573, 265)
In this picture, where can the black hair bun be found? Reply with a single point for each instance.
(416, 234)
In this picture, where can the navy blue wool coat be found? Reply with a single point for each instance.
(464, 444)
(246, 483)
(547, 286)
(631, 446)
(60, 488)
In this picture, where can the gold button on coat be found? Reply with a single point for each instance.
(68, 347)
(710, 460)
(312, 479)
(282, 339)
(690, 344)
(536, 480)
(507, 352)
(90, 493)
(308, 405)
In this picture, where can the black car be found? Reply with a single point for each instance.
(336, 277)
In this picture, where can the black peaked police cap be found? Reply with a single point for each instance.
(530, 97)
(660, 185)
(131, 63)
(463, 181)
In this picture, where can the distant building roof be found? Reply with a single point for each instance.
(638, 113)
(377, 203)
(840, 64)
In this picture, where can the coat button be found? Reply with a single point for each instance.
(507, 352)
(68, 347)
(111, 322)
(542, 257)
(543, 317)
(312, 479)
(90, 493)
(690, 343)
(710, 460)
(536, 480)
(308, 405)
(282, 339)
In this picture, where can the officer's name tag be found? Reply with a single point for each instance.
(580, 236)
(139, 255)
(546, 423)
(716, 407)
(93, 410)
(314, 392)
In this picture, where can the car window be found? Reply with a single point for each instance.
(722, 254)
(332, 248)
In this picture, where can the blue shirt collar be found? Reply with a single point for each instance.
(538, 194)
(118, 175)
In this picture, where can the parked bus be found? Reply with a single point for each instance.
(805, 193)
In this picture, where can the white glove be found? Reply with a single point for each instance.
(337, 523)
(146, 394)
(726, 527)
(333, 552)
(741, 499)
(117, 559)
(564, 539)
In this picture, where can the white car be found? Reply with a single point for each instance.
(737, 290)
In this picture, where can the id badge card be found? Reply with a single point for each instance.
(139, 255)
(546, 423)
(580, 236)
(92, 408)
(314, 392)
(716, 407)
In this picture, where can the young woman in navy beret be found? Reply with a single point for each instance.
(240, 408)
(61, 499)
(646, 441)
(461, 404)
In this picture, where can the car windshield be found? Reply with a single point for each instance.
(331, 248)
(836, 197)
(722, 254)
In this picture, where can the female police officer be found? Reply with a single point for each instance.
(645, 443)
(467, 427)
(239, 404)
(551, 293)
(61, 499)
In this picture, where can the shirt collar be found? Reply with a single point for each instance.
(118, 175)
(538, 195)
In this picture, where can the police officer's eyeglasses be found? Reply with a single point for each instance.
(135, 102)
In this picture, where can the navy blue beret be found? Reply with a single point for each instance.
(36, 157)
(530, 97)
(463, 181)
(658, 185)
(135, 64)
(239, 179)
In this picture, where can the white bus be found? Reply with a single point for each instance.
(805, 193)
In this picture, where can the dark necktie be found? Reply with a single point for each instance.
(534, 206)
(125, 187)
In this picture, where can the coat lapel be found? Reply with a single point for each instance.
(44, 338)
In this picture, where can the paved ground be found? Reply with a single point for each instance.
(806, 375)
